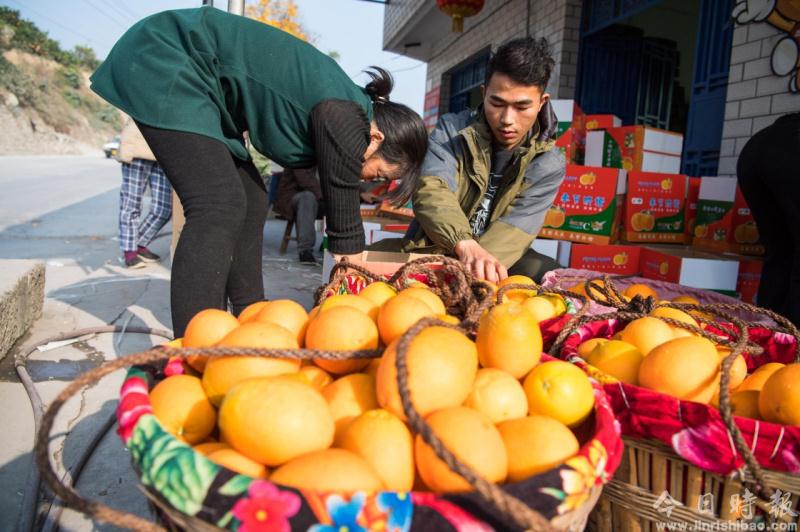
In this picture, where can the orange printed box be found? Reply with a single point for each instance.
(744, 237)
(749, 279)
(692, 195)
(619, 260)
(571, 129)
(655, 207)
(635, 148)
(714, 222)
(683, 265)
(571, 147)
(587, 207)
(602, 122)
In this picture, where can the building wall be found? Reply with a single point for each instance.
(396, 14)
(756, 96)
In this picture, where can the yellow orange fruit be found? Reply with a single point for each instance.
(362, 304)
(738, 372)
(316, 376)
(372, 367)
(222, 373)
(398, 314)
(559, 390)
(286, 313)
(639, 289)
(428, 297)
(274, 419)
(509, 339)
(540, 307)
(470, 436)
(584, 348)
(350, 396)
(497, 395)
(689, 300)
(380, 438)
(677, 315)
(745, 404)
(205, 329)
(378, 292)
(646, 333)
(686, 368)
(251, 311)
(181, 406)
(236, 461)
(442, 364)
(619, 359)
(518, 294)
(447, 318)
(759, 377)
(779, 400)
(177, 342)
(558, 303)
(342, 328)
(328, 470)
(208, 447)
(535, 444)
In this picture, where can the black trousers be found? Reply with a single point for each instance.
(769, 176)
(218, 257)
(534, 265)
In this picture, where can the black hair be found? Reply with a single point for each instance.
(405, 137)
(527, 61)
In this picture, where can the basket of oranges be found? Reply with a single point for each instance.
(374, 411)
(708, 403)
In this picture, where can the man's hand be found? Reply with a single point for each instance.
(480, 262)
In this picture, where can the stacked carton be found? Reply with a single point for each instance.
(655, 207)
(602, 122)
(571, 132)
(635, 148)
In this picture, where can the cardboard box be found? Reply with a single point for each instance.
(602, 122)
(618, 260)
(382, 263)
(406, 212)
(587, 207)
(714, 221)
(571, 130)
(377, 229)
(688, 267)
(558, 250)
(655, 207)
(744, 237)
(571, 147)
(634, 148)
(749, 279)
(692, 193)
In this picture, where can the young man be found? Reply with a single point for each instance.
(490, 175)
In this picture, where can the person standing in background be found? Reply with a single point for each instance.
(299, 198)
(769, 176)
(140, 170)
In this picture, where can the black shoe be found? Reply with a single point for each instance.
(307, 257)
(135, 262)
(147, 255)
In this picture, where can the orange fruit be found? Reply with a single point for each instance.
(342, 328)
(646, 333)
(238, 462)
(557, 301)
(378, 292)
(559, 390)
(518, 294)
(779, 400)
(470, 436)
(251, 311)
(348, 397)
(540, 307)
(619, 359)
(372, 368)
(177, 342)
(380, 438)
(535, 444)
(759, 377)
(205, 329)
(427, 296)
(509, 339)
(328, 470)
(738, 371)
(677, 315)
(313, 313)
(209, 447)
(497, 395)
(584, 348)
(223, 372)
(689, 300)
(181, 406)
(442, 364)
(686, 368)
(639, 289)
(288, 314)
(447, 318)
(274, 419)
(362, 304)
(398, 314)
(745, 404)
(316, 376)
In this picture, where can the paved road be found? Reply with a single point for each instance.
(63, 211)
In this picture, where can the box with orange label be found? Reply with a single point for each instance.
(571, 130)
(744, 237)
(619, 260)
(654, 207)
(635, 148)
(749, 278)
(602, 122)
(587, 207)
(571, 147)
(383, 263)
(714, 221)
(683, 265)
(692, 193)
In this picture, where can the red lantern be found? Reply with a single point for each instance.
(458, 9)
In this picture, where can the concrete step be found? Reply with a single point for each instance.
(21, 299)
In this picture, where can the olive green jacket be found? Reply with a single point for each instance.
(455, 176)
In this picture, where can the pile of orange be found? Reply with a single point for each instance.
(341, 425)
(672, 360)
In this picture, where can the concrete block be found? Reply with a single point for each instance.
(726, 147)
(736, 128)
(735, 73)
(788, 102)
(754, 107)
(761, 30)
(21, 299)
(731, 110)
(762, 122)
(727, 166)
(745, 52)
(739, 35)
(772, 85)
(742, 90)
(757, 69)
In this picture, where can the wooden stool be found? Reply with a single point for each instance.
(287, 236)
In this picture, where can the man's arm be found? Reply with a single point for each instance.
(509, 236)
